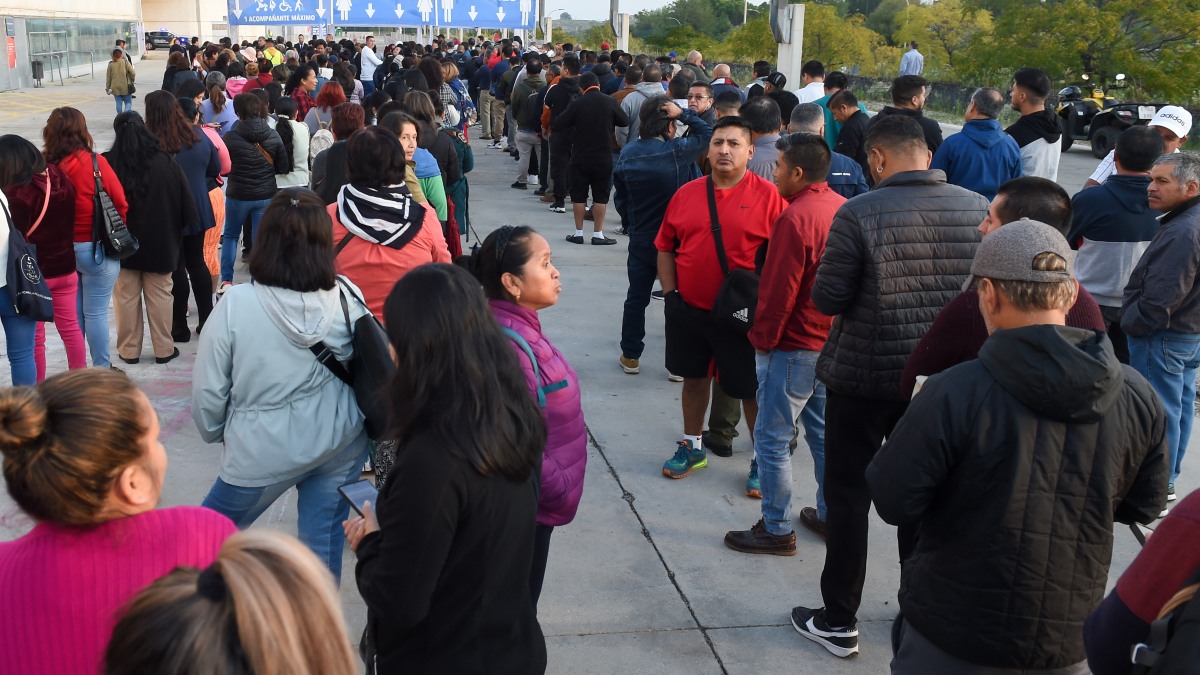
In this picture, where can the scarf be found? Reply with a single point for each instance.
(387, 216)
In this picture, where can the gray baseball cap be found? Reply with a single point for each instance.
(1008, 254)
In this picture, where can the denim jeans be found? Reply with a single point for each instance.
(236, 212)
(18, 338)
(96, 281)
(320, 509)
(642, 266)
(123, 102)
(788, 392)
(1169, 362)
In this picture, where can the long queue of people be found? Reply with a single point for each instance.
(957, 327)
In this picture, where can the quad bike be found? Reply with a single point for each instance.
(1098, 118)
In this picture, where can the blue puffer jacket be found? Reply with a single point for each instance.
(649, 171)
(565, 457)
(979, 158)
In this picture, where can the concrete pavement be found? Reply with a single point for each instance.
(640, 582)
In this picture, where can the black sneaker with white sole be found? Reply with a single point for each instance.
(810, 623)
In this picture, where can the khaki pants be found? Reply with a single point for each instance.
(485, 114)
(131, 287)
(498, 107)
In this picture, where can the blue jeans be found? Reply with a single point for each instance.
(368, 87)
(320, 509)
(18, 338)
(1169, 362)
(96, 281)
(236, 212)
(788, 392)
(124, 102)
(642, 267)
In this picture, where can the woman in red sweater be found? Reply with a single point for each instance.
(82, 459)
(69, 146)
(42, 202)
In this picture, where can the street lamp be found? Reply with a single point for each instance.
(747, 8)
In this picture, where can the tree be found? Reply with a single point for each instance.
(945, 30)
(883, 19)
(749, 42)
(845, 43)
(1152, 41)
(565, 16)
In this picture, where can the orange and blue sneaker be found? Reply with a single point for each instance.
(685, 459)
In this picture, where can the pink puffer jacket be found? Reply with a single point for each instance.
(565, 457)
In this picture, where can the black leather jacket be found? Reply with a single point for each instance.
(251, 176)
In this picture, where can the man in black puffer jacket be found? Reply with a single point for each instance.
(1014, 467)
(254, 151)
(895, 256)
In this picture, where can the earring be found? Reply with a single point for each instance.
(879, 169)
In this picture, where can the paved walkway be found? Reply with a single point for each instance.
(640, 582)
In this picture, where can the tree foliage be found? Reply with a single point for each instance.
(946, 30)
(845, 44)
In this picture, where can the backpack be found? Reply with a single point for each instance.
(1173, 646)
(542, 390)
(322, 140)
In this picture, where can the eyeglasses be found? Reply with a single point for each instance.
(697, 97)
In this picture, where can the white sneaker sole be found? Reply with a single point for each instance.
(671, 377)
(811, 633)
(630, 371)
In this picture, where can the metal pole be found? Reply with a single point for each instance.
(623, 38)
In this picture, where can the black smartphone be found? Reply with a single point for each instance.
(359, 492)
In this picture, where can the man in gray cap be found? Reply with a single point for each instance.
(1013, 468)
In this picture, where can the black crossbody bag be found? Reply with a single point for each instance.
(108, 228)
(738, 296)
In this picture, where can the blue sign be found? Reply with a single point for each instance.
(279, 12)
(514, 14)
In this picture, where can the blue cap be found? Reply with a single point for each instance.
(672, 55)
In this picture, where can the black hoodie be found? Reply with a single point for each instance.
(1033, 126)
(560, 95)
(1014, 468)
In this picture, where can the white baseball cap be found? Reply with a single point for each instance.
(1178, 120)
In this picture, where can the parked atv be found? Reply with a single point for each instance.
(1098, 118)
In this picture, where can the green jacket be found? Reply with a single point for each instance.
(528, 87)
(120, 75)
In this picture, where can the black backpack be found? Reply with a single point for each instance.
(1173, 646)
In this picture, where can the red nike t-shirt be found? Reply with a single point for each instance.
(746, 212)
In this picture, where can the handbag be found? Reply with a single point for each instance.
(108, 227)
(30, 294)
(371, 366)
(737, 298)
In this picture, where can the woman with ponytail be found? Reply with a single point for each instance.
(266, 606)
(83, 461)
(216, 109)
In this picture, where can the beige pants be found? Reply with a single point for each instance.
(131, 287)
(498, 108)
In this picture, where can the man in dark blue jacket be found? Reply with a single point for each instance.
(1160, 312)
(1112, 224)
(845, 176)
(647, 174)
(981, 157)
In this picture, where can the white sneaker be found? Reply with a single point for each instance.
(672, 377)
(532, 180)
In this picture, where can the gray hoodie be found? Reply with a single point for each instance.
(257, 388)
(632, 105)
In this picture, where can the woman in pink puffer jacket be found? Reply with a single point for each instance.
(514, 267)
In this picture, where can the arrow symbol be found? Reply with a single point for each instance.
(472, 13)
(399, 11)
(370, 10)
(237, 8)
(500, 14)
(321, 8)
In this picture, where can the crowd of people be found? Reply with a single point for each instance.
(1002, 370)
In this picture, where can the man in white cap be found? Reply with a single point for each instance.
(1172, 122)
(1014, 467)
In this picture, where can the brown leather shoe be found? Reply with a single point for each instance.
(758, 540)
(548, 199)
(809, 519)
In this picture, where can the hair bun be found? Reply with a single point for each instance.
(22, 418)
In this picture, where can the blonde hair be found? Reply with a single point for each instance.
(67, 440)
(267, 606)
(449, 71)
(1030, 296)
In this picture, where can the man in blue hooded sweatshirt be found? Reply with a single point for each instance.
(981, 157)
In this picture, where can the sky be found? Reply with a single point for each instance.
(598, 9)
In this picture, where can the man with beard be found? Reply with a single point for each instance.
(1037, 132)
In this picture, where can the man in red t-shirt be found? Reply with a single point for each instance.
(690, 273)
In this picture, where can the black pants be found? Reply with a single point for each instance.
(1112, 322)
(642, 265)
(560, 160)
(191, 264)
(543, 172)
(854, 431)
(537, 571)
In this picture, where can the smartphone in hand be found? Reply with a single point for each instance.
(357, 493)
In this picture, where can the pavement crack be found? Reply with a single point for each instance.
(629, 499)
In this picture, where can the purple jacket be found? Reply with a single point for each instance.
(565, 457)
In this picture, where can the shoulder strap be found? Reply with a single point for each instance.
(325, 355)
(96, 172)
(266, 155)
(342, 244)
(537, 375)
(45, 205)
(716, 226)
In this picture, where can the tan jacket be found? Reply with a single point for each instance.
(120, 76)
